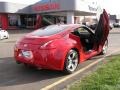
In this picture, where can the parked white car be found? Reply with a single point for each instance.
(3, 34)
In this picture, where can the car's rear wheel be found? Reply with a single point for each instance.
(105, 47)
(71, 61)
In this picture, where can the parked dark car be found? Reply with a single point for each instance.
(116, 24)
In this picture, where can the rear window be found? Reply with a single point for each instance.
(49, 30)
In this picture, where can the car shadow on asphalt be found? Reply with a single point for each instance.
(14, 74)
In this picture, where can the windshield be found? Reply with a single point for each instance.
(49, 30)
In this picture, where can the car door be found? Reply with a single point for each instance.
(102, 30)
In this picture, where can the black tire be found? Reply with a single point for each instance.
(105, 47)
(71, 61)
(6, 38)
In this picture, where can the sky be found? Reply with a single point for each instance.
(21, 1)
(112, 6)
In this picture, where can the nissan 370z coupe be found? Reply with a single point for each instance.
(62, 47)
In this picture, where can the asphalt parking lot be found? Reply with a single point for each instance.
(18, 77)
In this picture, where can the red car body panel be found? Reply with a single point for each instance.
(53, 54)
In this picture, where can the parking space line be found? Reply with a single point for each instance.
(76, 73)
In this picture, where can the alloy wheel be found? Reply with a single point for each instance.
(71, 61)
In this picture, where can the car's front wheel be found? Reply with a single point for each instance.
(7, 37)
(71, 61)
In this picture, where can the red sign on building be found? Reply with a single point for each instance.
(45, 7)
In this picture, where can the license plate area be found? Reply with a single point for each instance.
(27, 54)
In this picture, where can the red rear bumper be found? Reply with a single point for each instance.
(46, 59)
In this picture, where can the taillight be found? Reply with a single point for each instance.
(47, 45)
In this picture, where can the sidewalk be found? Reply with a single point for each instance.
(20, 31)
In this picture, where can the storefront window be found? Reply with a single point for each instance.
(28, 21)
(13, 20)
(31, 19)
(50, 20)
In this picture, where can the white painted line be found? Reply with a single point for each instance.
(76, 73)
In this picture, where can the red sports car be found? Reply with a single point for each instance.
(62, 47)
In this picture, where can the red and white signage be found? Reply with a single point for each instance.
(45, 7)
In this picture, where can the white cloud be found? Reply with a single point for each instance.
(112, 6)
(21, 1)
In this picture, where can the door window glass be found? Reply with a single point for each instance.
(82, 30)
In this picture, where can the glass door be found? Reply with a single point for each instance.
(31, 21)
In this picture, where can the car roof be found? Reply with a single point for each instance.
(76, 26)
(69, 25)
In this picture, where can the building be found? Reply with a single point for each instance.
(44, 12)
